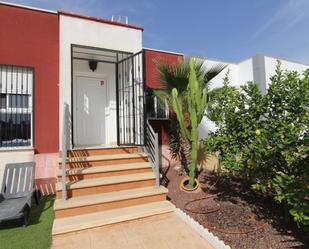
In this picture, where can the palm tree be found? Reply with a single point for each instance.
(177, 76)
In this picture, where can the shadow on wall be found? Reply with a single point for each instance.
(205, 161)
(166, 158)
(45, 170)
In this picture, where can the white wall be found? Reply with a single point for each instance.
(271, 63)
(90, 33)
(244, 72)
(218, 80)
(258, 69)
(206, 125)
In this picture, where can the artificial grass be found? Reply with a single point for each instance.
(37, 235)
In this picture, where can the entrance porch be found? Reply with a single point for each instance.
(107, 98)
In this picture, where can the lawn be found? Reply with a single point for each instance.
(37, 235)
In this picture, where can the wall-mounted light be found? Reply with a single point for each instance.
(93, 65)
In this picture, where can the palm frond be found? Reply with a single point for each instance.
(212, 72)
(173, 75)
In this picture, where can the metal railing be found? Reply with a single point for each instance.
(64, 148)
(152, 148)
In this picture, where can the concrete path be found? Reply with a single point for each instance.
(157, 232)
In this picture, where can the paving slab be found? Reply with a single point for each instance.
(164, 231)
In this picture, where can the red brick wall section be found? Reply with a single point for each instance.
(31, 38)
(152, 74)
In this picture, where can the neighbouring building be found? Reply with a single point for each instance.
(89, 79)
(258, 69)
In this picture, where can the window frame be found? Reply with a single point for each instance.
(29, 72)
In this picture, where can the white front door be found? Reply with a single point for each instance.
(90, 103)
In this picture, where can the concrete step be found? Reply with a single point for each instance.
(106, 201)
(102, 160)
(99, 219)
(94, 151)
(108, 170)
(107, 184)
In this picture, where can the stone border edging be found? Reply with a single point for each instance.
(202, 231)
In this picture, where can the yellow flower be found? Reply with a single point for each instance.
(257, 132)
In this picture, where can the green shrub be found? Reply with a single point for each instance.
(265, 138)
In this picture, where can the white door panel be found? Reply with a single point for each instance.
(90, 111)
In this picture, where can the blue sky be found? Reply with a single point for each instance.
(222, 29)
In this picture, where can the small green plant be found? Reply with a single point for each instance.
(196, 97)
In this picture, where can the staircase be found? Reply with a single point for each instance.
(107, 186)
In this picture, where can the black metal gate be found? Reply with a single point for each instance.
(130, 100)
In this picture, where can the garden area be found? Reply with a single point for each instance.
(258, 197)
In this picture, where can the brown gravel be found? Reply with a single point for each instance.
(241, 210)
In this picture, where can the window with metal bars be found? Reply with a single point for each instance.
(16, 108)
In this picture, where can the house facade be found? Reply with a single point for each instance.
(88, 78)
(95, 68)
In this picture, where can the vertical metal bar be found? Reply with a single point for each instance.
(23, 104)
(157, 163)
(1, 123)
(140, 84)
(144, 90)
(123, 104)
(28, 135)
(117, 99)
(6, 105)
(133, 98)
(32, 110)
(16, 109)
(136, 80)
(72, 91)
(126, 106)
(128, 88)
(64, 150)
(11, 100)
(138, 99)
(25, 110)
(126, 82)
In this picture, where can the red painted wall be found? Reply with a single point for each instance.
(163, 128)
(31, 38)
(153, 81)
(152, 74)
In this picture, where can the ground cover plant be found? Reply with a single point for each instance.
(264, 138)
